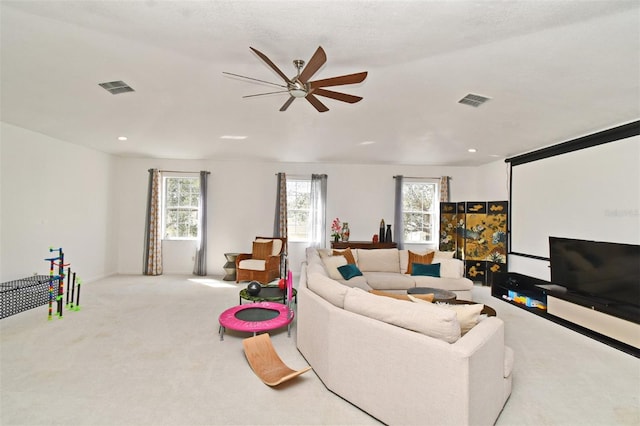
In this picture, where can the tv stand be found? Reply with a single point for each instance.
(610, 323)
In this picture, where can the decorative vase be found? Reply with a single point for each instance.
(345, 231)
(381, 234)
(388, 237)
(336, 238)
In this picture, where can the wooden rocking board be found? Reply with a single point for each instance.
(265, 361)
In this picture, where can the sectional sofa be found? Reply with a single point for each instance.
(400, 361)
(385, 270)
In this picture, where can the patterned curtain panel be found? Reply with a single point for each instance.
(152, 238)
(398, 220)
(200, 266)
(280, 220)
(318, 213)
(444, 189)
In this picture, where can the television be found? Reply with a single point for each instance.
(607, 272)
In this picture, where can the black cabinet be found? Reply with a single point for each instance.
(586, 315)
(520, 290)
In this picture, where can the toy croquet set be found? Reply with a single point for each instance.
(31, 292)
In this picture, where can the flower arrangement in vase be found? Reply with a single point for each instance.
(336, 230)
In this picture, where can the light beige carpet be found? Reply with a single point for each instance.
(146, 351)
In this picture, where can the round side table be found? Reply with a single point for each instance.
(439, 295)
(269, 293)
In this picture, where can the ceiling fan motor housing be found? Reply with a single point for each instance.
(298, 89)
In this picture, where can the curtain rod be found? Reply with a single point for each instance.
(417, 177)
(300, 174)
(177, 171)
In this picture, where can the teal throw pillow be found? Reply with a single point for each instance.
(349, 271)
(429, 270)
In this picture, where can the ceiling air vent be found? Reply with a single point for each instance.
(473, 100)
(115, 87)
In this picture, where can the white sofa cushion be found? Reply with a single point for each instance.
(252, 264)
(468, 315)
(389, 280)
(327, 288)
(431, 320)
(316, 267)
(331, 263)
(450, 268)
(379, 260)
(444, 254)
(451, 284)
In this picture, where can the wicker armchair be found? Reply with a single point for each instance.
(259, 265)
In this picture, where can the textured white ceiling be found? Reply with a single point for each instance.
(554, 70)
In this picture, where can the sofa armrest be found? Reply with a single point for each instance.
(484, 348)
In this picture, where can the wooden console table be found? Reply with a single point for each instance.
(362, 245)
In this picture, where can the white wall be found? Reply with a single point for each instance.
(242, 204)
(493, 182)
(57, 194)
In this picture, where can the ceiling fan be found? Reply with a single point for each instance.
(300, 86)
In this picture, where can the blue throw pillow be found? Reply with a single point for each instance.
(349, 271)
(429, 270)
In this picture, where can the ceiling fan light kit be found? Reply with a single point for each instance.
(300, 86)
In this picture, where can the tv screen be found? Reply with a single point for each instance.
(607, 271)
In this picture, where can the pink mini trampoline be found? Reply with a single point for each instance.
(260, 316)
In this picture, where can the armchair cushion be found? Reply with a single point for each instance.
(262, 249)
(252, 264)
(277, 244)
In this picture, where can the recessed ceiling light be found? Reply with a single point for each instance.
(122, 138)
(472, 150)
(367, 143)
(233, 137)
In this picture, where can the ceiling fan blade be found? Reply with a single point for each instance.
(337, 95)
(339, 81)
(316, 103)
(317, 60)
(286, 104)
(254, 79)
(263, 94)
(271, 64)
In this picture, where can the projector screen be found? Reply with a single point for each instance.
(591, 194)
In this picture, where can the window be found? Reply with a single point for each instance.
(181, 208)
(420, 205)
(298, 209)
